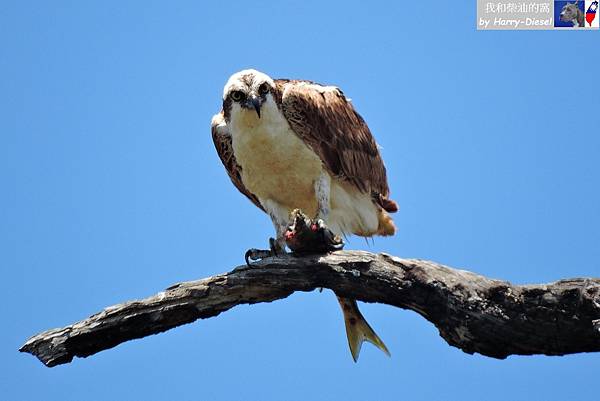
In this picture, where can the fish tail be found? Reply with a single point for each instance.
(357, 328)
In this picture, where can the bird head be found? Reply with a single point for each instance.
(247, 90)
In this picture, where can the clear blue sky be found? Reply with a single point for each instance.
(111, 190)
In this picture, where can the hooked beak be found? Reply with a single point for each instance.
(256, 103)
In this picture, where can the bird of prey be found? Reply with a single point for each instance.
(295, 144)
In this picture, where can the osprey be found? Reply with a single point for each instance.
(294, 144)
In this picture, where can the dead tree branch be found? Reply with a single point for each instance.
(472, 312)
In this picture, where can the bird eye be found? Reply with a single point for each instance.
(263, 89)
(237, 96)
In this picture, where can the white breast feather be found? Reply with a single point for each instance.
(281, 170)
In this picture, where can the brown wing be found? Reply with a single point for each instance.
(222, 141)
(328, 123)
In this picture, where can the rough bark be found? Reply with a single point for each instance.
(472, 312)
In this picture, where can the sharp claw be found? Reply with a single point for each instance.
(332, 241)
(337, 247)
(254, 254)
(250, 253)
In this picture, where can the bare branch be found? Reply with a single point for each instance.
(473, 313)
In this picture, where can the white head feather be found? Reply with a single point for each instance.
(246, 79)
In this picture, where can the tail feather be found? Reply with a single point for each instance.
(357, 329)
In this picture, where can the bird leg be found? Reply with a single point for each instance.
(276, 245)
(323, 191)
